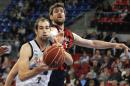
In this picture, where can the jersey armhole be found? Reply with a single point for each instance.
(31, 51)
(73, 37)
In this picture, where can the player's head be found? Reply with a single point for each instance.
(57, 13)
(42, 28)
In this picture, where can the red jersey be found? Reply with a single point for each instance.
(58, 76)
(68, 38)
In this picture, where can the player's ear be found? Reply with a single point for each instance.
(35, 30)
(51, 17)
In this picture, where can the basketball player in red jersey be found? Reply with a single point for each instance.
(57, 16)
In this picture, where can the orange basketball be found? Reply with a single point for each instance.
(54, 56)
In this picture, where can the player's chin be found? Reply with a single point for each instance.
(45, 37)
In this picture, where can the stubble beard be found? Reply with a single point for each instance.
(59, 22)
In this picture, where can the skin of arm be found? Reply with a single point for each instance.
(68, 58)
(11, 75)
(23, 64)
(97, 44)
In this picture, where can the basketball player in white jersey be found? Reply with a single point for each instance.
(31, 69)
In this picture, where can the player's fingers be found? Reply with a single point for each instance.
(55, 40)
(60, 34)
(52, 68)
(128, 49)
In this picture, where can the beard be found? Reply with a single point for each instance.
(59, 22)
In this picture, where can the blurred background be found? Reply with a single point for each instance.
(107, 20)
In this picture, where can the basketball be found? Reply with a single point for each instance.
(54, 56)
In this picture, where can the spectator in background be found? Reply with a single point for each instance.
(3, 50)
(77, 82)
(115, 75)
(104, 74)
(113, 83)
(91, 80)
(117, 63)
(84, 58)
(82, 79)
(95, 66)
(97, 55)
(126, 75)
(109, 54)
(107, 61)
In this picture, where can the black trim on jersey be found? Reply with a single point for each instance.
(37, 44)
(50, 42)
(31, 51)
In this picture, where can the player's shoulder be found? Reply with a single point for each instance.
(26, 46)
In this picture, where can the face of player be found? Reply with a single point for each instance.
(43, 30)
(58, 15)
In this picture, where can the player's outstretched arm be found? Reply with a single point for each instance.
(23, 65)
(12, 74)
(98, 44)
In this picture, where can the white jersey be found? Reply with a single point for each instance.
(41, 79)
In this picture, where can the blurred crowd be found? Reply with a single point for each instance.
(113, 17)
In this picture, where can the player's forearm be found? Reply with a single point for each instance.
(12, 74)
(30, 73)
(9, 80)
(68, 59)
(102, 44)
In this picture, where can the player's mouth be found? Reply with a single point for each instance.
(59, 17)
(44, 35)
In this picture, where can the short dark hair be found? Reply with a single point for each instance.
(55, 6)
(38, 20)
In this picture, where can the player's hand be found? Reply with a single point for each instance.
(43, 67)
(3, 50)
(123, 46)
(59, 37)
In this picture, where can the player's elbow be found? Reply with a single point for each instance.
(22, 77)
(70, 62)
(68, 59)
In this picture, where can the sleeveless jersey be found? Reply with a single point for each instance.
(58, 76)
(41, 79)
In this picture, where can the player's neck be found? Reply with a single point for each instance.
(61, 26)
(42, 44)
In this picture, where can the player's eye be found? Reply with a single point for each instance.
(47, 27)
(40, 27)
(56, 11)
(61, 10)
